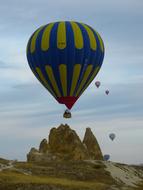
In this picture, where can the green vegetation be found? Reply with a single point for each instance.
(11, 177)
(72, 175)
(73, 170)
(4, 161)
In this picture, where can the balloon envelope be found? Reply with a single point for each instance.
(65, 57)
(107, 92)
(97, 83)
(106, 157)
(112, 136)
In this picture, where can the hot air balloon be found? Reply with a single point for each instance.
(106, 157)
(65, 57)
(112, 136)
(97, 83)
(107, 92)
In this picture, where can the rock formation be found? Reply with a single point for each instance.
(43, 147)
(64, 144)
(92, 145)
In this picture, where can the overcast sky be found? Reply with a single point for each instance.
(28, 111)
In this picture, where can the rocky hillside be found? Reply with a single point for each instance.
(69, 175)
(64, 144)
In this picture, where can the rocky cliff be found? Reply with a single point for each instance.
(65, 144)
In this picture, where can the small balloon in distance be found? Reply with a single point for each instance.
(106, 157)
(97, 83)
(107, 92)
(112, 136)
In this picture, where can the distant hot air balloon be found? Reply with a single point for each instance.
(106, 157)
(107, 92)
(112, 136)
(97, 83)
(65, 57)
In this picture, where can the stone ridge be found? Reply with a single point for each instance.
(65, 144)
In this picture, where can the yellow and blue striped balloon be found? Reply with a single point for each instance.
(65, 57)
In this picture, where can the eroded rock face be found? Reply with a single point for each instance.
(65, 144)
(33, 155)
(43, 147)
(92, 145)
(65, 141)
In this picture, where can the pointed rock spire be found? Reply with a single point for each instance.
(92, 145)
(43, 147)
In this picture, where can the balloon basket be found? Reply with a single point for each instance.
(67, 114)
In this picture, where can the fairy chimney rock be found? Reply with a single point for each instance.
(92, 145)
(65, 144)
(43, 147)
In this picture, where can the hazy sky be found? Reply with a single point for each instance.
(28, 111)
